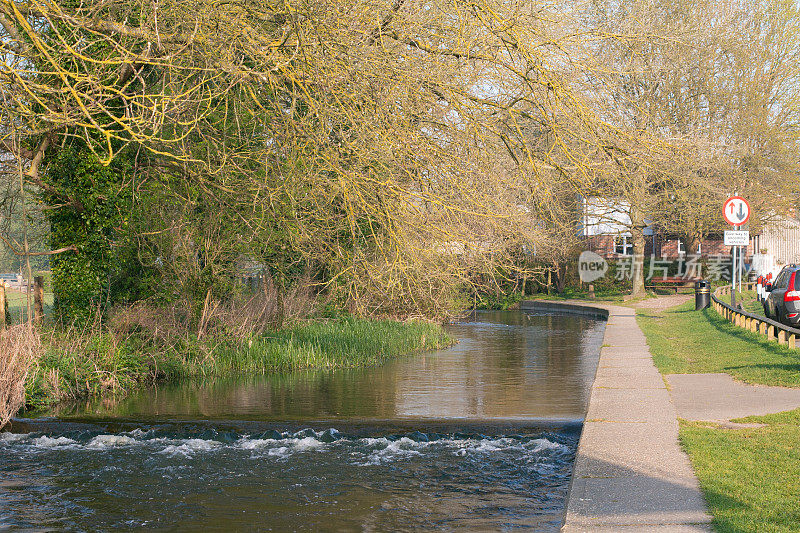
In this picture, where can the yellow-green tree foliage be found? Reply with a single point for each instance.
(398, 146)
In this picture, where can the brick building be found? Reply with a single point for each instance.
(605, 230)
(658, 245)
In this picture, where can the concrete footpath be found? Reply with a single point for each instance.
(630, 472)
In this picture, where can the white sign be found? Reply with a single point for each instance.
(737, 238)
(736, 211)
(591, 266)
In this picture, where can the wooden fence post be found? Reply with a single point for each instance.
(38, 299)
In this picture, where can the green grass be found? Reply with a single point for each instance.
(102, 363)
(685, 341)
(570, 294)
(18, 305)
(750, 303)
(750, 477)
(342, 343)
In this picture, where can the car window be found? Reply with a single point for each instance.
(778, 281)
(797, 280)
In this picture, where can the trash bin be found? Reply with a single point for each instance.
(702, 294)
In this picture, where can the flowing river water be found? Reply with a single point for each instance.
(480, 436)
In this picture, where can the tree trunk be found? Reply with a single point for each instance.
(561, 276)
(38, 299)
(637, 267)
(692, 241)
(549, 279)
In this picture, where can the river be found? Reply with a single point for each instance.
(479, 436)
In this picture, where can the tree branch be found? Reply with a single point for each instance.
(15, 251)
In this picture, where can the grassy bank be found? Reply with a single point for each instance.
(74, 366)
(685, 341)
(750, 477)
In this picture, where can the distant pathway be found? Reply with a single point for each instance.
(663, 302)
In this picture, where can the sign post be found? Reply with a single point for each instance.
(736, 212)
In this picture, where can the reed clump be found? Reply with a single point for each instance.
(147, 343)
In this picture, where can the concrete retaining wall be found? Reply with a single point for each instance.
(550, 306)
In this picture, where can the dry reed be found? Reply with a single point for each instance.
(20, 347)
(238, 318)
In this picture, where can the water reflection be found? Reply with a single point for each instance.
(506, 365)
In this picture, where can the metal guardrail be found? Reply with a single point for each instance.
(773, 330)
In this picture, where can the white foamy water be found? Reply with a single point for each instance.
(189, 447)
(48, 442)
(368, 451)
(308, 443)
(255, 444)
(311, 473)
(106, 441)
(388, 450)
(385, 450)
(7, 437)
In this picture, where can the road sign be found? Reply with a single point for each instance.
(737, 238)
(736, 211)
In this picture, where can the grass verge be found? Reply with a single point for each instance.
(750, 303)
(75, 366)
(750, 477)
(685, 341)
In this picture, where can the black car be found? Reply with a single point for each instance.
(783, 302)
